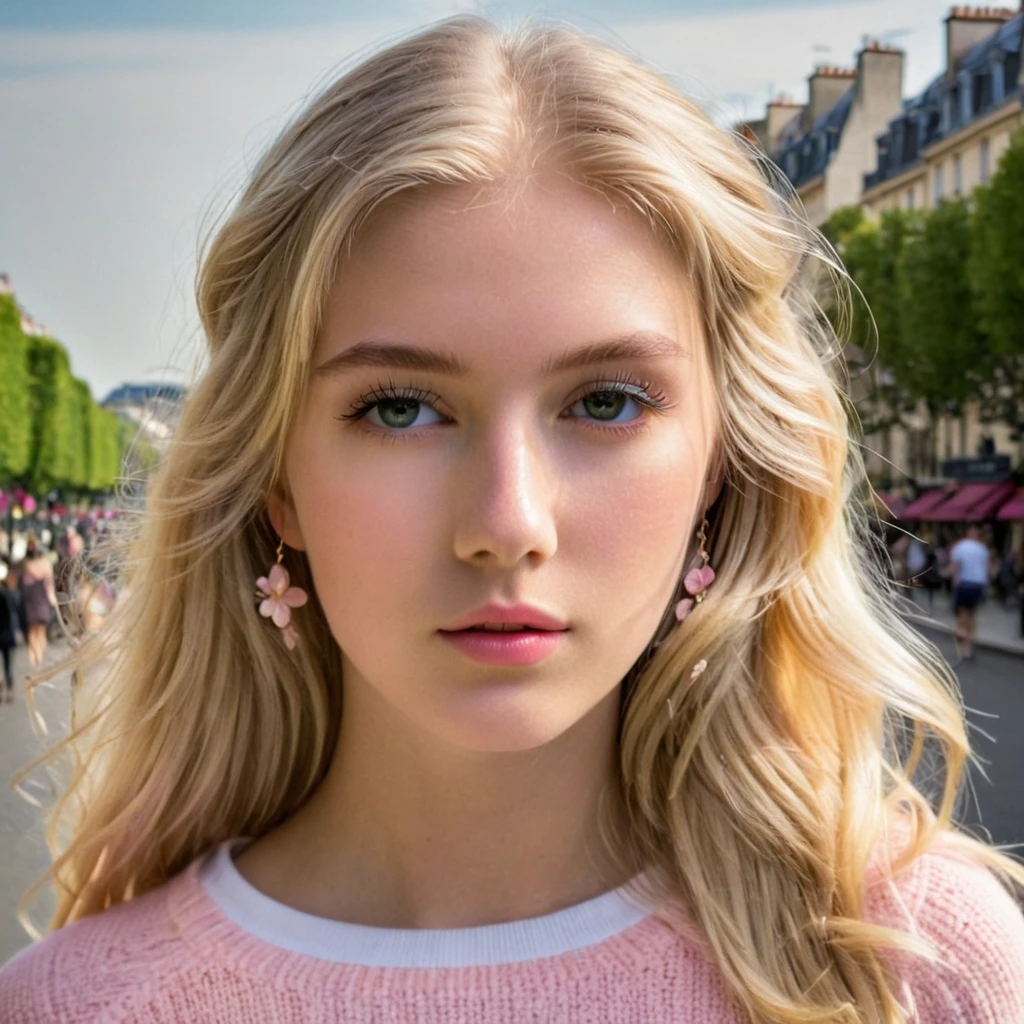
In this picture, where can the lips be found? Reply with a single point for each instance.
(495, 627)
(510, 618)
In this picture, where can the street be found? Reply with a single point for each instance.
(993, 685)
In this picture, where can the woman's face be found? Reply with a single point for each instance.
(421, 494)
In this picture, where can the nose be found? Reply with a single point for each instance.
(505, 500)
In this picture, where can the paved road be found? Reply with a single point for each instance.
(992, 684)
(23, 852)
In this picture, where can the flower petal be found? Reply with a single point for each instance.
(264, 584)
(693, 581)
(290, 637)
(683, 608)
(295, 597)
(708, 575)
(267, 607)
(282, 614)
(279, 579)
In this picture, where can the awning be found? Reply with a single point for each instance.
(1014, 508)
(893, 503)
(924, 504)
(973, 502)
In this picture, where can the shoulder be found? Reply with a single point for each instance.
(976, 928)
(86, 970)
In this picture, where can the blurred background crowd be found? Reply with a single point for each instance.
(51, 580)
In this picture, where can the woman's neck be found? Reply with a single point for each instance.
(406, 834)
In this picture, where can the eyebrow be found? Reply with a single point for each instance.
(637, 345)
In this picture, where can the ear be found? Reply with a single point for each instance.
(283, 517)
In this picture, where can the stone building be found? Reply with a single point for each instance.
(948, 139)
(827, 145)
(943, 144)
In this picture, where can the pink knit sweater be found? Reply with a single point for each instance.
(207, 947)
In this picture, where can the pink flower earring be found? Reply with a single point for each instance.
(697, 581)
(277, 598)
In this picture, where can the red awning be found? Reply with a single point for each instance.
(924, 504)
(1014, 508)
(893, 503)
(973, 502)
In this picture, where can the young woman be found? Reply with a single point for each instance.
(502, 640)
(39, 598)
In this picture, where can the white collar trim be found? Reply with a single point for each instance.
(563, 931)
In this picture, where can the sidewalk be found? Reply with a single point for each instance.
(996, 627)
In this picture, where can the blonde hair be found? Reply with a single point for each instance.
(761, 800)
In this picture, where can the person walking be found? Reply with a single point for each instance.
(39, 599)
(9, 622)
(969, 563)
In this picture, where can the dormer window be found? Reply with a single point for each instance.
(964, 96)
(998, 79)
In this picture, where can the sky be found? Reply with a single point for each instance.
(127, 127)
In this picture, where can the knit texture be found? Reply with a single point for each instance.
(173, 956)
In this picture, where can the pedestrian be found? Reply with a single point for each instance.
(39, 599)
(969, 561)
(9, 626)
(500, 641)
(917, 560)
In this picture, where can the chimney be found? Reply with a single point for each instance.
(966, 26)
(780, 113)
(880, 82)
(824, 88)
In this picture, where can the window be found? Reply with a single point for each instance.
(910, 198)
(937, 184)
(958, 174)
(998, 80)
(964, 96)
(985, 155)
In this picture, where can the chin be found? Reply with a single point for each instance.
(504, 719)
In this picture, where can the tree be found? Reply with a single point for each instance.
(876, 353)
(942, 345)
(996, 273)
(15, 411)
(57, 428)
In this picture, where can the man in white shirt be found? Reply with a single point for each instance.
(969, 564)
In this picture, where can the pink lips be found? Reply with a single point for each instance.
(525, 647)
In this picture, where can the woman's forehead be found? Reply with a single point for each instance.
(555, 267)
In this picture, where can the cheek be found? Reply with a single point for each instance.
(637, 522)
(368, 531)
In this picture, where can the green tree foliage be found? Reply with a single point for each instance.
(942, 346)
(105, 448)
(52, 433)
(997, 281)
(57, 420)
(15, 413)
(876, 352)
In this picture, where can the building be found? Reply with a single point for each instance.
(948, 139)
(826, 146)
(943, 144)
(154, 408)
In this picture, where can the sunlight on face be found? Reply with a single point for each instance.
(421, 494)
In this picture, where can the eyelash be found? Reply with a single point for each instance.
(622, 383)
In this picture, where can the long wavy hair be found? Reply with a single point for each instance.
(760, 800)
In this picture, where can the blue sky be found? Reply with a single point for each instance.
(258, 14)
(129, 126)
